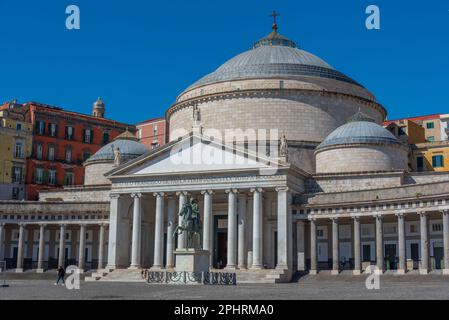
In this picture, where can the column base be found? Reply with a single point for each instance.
(335, 272)
(156, 268)
(445, 272)
(313, 272)
(400, 272)
(256, 268)
(423, 272)
(19, 270)
(356, 272)
(242, 267)
(40, 270)
(379, 272)
(134, 268)
(231, 268)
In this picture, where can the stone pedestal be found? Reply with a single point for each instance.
(191, 260)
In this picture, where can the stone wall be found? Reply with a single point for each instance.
(299, 83)
(302, 116)
(94, 173)
(61, 208)
(406, 192)
(361, 158)
(79, 194)
(336, 183)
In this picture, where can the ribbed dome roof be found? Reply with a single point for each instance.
(129, 147)
(359, 129)
(271, 57)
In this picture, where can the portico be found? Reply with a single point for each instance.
(241, 202)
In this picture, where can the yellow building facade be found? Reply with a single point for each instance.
(430, 156)
(15, 147)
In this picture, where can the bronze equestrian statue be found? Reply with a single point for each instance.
(191, 222)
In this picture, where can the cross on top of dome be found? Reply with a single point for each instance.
(274, 38)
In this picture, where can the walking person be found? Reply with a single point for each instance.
(61, 275)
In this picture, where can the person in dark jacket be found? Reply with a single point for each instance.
(61, 275)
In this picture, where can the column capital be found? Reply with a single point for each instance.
(62, 225)
(356, 218)
(184, 193)
(253, 190)
(334, 219)
(42, 225)
(115, 196)
(22, 225)
(209, 192)
(159, 194)
(423, 214)
(2, 224)
(445, 212)
(103, 225)
(235, 191)
(282, 189)
(313, 219)
(378, 217)
(400, 215)
(136, 195)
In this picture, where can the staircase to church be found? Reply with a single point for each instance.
(265, 276)
(118, 275)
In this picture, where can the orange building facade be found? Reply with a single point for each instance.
(62, 141)
(152, 133)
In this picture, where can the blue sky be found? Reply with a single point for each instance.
(139, 55)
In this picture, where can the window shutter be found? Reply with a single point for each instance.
(37, 126)
(66, 135)
(91, 136)
(45, 177)
(84, 135)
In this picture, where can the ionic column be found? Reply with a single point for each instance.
(19, 267)
(284, 232)
(232, 228)
(208, 224)
(61, 259)
(137, 225)
(257, 228)
(424, 267)
(300, 245)
(114, 245)
(313, 248)
(182, 238)
(401, 242)
(2, 251)
(242, 232)
(379, 244)
(82, 246)
(446, 241)
(158, 234)
(335, 253)
(40, 258)
(101, 247)
(171, 221)
(357, 256)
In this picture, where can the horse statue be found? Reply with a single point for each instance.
(190, 223)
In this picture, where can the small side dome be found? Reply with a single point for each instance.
(128, 145)
(361, 145)
(103, 160)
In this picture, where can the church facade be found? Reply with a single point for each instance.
(292, 170)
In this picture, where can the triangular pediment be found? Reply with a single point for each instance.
(197, 155)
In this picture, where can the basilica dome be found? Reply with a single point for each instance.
(103, 160)
(273, 56)
(361, 145)
(274, 86)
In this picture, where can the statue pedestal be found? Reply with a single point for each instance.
(191, 260)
